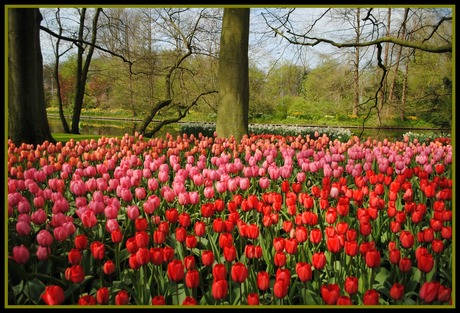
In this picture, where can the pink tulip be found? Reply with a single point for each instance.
(44, 238)
(88, 219)
(21, 254)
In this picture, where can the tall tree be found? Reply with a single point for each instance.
(232, 114)
(398, 60)
(27, 120)
(356, 99)
(83, 67)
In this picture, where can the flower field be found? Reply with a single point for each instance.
(197, 220)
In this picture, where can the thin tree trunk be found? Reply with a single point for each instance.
(82, 70)
(356, 67)
(404, 88)
(64, 123)
(398, 60)
(383, 92)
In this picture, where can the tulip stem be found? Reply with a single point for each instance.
(177, 293)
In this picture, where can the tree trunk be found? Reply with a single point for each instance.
(356, 67)
(64, 123)
(398, 59)
(82, 69)
(383, 92)
(232, 114)
(404, 88)
(27, 119)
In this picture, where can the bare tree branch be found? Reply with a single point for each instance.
(181, 114)
(305, 40)
(78, 43)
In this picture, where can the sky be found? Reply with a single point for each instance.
(266, 49)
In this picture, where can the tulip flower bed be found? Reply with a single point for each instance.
(273, 220)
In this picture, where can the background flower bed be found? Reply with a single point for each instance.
(277, 219)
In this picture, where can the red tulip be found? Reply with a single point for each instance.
(263, 281)
(365, 228)
(287, 226)
(122, 298)
(344, 300)
(405, 264)
(189, 262)
(81, 242)
(278, 244)
(371, 297)
(279, 259)
(280, 289)
(75, 274)
(184, 219)
(200, 229)
(156, 255)
(301, 234)
(133, 263)
(219, 272)
(159, 236)
(192, 278)
(108, 267)
(98, 250)
(351, 285)
(158, 300)
(291, 245)
(316, 235)
(141, 224)
(143, 256)
(319, 260)
(253, 298)
(239, 272)
(407, 239)
(142, 239)
(116, 236)
(87, 300)
(207, 257)
(394, 256)
(446, 232)
(181, 234)
(429, 291)
(102, 295)
(189, 300)
(330, 293)
(303, 271)
(175, 270)
(207, 209)
(53, 295)
(351, 248)
(253, 231)
(285, 186)
(168, 254)
(191, 241)
(219, 289)
(437, 245)
(397, 291)
(334, 244)
(230, 253)
(444, 294)
(373, 258)
(425, 263)
(225, 240)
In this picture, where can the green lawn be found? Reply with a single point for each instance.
(63, 137)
